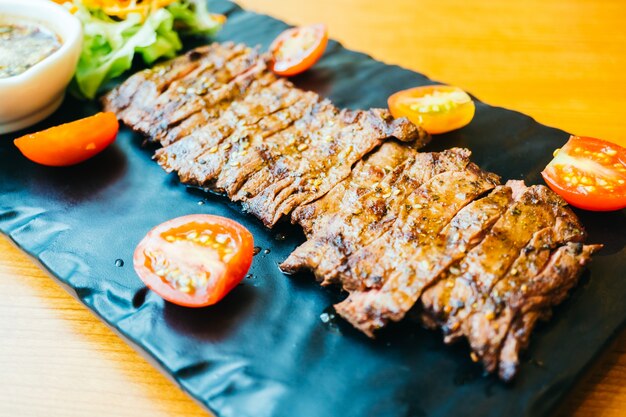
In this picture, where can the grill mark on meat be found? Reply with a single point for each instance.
(383, 125)
(490, 318)
(176, 95)
(339, 213)
(227, 157)
(413, 248)
(374, 308)
(547, 289)
(269, 162)
(139, 91)
(451, 300)
(372, 214)
(180, 103)
(383, 165)
(317, 164)
(244, 163)
(222, 98)
(180, 155)
(358, 273)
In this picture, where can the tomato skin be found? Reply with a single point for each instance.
(589, 174)
(223, 266)
(287, 63)
(436, 108)
(70, 143)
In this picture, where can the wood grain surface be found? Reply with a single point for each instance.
(560, 61)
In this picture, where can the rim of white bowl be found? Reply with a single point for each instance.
(50, 15)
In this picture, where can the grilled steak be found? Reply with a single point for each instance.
(395, 227)
(354, 225)
(339, 216)
(363, 179)
(474, 292)
(373, 308)
(269, 160)
(133, 100)
(535, 208)
(199, 157)
(535, 299)
(309, 169)
(400, 274)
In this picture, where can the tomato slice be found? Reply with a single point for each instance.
(437, 108)
(70, 143)
(194, 260)
(589, 174)
(298, 49)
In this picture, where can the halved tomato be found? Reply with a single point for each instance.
(589, 174)
(436, 108)
(194, 260)
(70, 143)
(298, 49)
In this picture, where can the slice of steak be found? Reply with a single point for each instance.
(133, 99)
(536, 299)
(416, 218)
(180, 155)
(489, 320)
(414, 252)
(360, 221)
(207, 93)
(380, 166)
(224, 161)
(270, 160)
(453, 298)
(325, 158)
(333, 224)
(243, 158)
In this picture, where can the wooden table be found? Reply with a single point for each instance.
(561, 61)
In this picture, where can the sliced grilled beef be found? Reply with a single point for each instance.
(342, 199)
(133, 100)
(411, 249)
(473, 278)
(201, 97)
(361, 220)
(489, 319)
(225, 160)
(375, 307)
(535, 299)
(181, 155)
(270, 159)
(393, 226)
(243, 159)
(323, 159)
(259, 115)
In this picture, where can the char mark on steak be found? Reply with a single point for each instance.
(468, 281)
(411, 255)
(534, 300)
(473, 297)
(216, 147)
(323, 157)
(201, 97)
(342, 232)
(134, 98)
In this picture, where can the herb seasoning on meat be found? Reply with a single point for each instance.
(23, 45)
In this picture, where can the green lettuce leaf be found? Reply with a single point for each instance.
(109, 45)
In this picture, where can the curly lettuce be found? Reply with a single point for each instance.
(110, 43)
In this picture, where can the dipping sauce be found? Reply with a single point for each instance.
(23, 45)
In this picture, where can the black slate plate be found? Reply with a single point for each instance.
(264, 351)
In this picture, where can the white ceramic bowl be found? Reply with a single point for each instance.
(33, 95)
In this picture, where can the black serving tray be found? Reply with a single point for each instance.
(264, 350)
